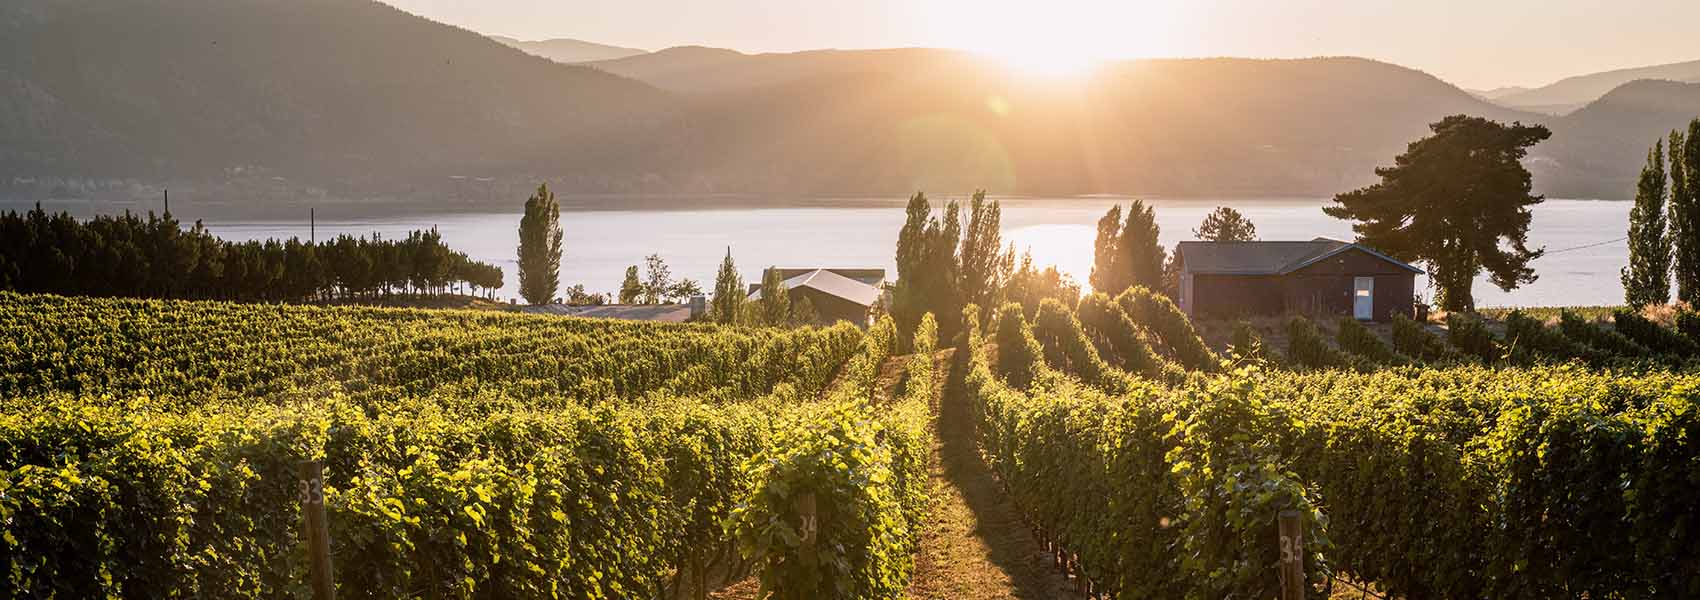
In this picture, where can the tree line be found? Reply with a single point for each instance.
(1664, 224)
(156, 257)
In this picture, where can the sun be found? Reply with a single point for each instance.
(1064, 39)
(1045, 63)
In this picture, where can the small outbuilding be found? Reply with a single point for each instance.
(835, 294)
(1319, 277)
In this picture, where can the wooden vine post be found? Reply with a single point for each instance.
(808, 519)
(1292, 568)
(318, 530)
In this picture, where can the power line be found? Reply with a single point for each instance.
(1551, 252)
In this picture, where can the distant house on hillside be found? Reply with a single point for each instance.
(1321, 276)
(666, 313)
(836, 294)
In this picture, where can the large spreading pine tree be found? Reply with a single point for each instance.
(540, 247)
(1647, 278)
(1458, 200)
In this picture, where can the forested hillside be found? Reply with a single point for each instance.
(233, 100)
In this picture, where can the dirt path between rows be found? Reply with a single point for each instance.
(975, 544)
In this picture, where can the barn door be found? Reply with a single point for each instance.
(1363, 298)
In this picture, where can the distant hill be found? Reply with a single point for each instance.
(699, 69)
(1600, 149)
(1572, 93)
(348, 93)
(1498, 92)
(569, 51)
(887, 121)
(222, 99)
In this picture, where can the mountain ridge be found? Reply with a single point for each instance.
(225, 102)
(568, 50)
(1571, 93)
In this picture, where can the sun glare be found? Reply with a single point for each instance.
(1046, 63)
(1055, 39)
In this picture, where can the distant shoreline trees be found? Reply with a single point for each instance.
(540, 248)
(1459, 200)
(130, 256)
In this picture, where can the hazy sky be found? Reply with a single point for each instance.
(1473, 43)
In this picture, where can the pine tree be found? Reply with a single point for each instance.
(1226, 225)
(1647, 278)
(728, 292)
(1458, 200)
(540, 247)
(775, 298)
(631, 289)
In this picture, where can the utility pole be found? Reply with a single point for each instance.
(312, 226)
(167, 202)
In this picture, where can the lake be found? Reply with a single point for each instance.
(600, 244)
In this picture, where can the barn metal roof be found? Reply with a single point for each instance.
(830, 282)
(1267, 258)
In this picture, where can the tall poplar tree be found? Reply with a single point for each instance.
(775, 298)
(1127, 253)
(540, 247)
(1105, 275)
(1646, 280)
(1685, 211)
(928, 268)
(631, 288)
(982, 251)
(728, 303)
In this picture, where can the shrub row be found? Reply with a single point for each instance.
(1159, 315)
(1463, 482)
(1357, 340)
(1306, 347)
(187, 486)
(1652, 335)
(1410, 338)
(126, 499)
(1161, 493)
(1067, 348)
(1129, 347)
(1509, 483)
(124, 347)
